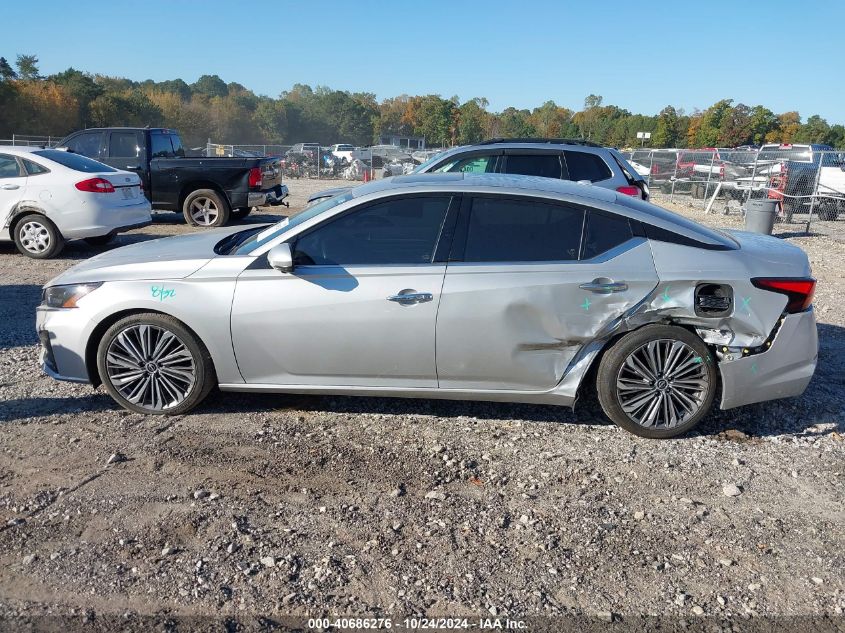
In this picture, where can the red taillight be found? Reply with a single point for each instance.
(630, 190)
(799, 292)
(95, 185)
(655, 169)
(255, 177)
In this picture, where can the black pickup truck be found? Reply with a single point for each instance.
(207, 190)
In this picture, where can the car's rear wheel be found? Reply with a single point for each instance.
(152, 364)
(37, 237)
(657, 382)
(205, 208)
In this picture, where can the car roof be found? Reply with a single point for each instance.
(563, 190)
(19, 149)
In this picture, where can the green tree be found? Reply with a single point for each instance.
(666, 131)
(7, 73)
(763, 121)
(515, 123)
(707, 134)
(210, 86)
(472, 121)
(814, 130)
(28, 67)
(735, 128)
(84, 89)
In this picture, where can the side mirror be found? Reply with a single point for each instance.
(281, 258)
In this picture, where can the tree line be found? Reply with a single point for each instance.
(231, 113)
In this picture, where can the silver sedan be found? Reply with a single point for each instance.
(482, 287)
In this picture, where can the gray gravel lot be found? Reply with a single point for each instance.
(311, 506)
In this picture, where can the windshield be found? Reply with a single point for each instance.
(424, 166)
(270, 233)
(344, 148)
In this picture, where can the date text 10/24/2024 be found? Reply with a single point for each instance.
(420, 624)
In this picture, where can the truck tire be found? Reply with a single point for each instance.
(206, 208)
(829, 210)
(240, 214)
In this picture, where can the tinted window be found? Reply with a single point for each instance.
(503, 230)
(87, 144)
(33, 169)
(178, 150)
(584, 166)
(161, 147)
(125, 145)
(74, 161)
(471, 165)
(545, 165)
(9, 167)
(604, 232)
(398, 231)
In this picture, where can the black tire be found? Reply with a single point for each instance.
(829, 210)
(240, 214)
(99, 240)
(694, 357)
(201, 368)
(215, 205)
(37, 237)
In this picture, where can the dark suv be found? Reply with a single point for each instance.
(565, 159)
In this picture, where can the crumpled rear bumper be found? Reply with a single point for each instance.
(782, 371)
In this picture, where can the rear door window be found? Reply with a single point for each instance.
(603, 232)
(33, 168)
(126, 145)
(9, 167)
(544, 165)
(586, 166)
(520, 230)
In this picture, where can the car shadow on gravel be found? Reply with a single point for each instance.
(23, 408)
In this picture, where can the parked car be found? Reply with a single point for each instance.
(553, 158)
(49, 196)
(206, 190)
(659, 162)
(342, 153)
(307, 152)
(453, 285)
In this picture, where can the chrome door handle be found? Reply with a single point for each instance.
(409, 298)
(605, 287)
(10, 186)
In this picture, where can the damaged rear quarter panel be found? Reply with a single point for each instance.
(519, 326)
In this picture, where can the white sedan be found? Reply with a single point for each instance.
(48, 196)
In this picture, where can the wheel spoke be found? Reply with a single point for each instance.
(662, 383)
(150, 367)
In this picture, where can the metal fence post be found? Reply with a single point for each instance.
(674, 178)
(709, 174)
(753, 180)
(815, 192)
(650, 166)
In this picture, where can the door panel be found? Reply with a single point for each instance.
(518, 326)
(330, 325)
(12, 185)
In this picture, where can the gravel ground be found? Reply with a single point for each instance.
(327, 506)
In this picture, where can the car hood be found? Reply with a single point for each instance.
(167, 258)
(328, 193)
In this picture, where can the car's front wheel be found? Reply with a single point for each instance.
(152, 364)
(658, 381)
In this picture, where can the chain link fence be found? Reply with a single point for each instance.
(31, 140)
(806, 182)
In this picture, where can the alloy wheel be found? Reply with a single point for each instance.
(34, 237)
(662, 384)
(204, 211)
(150, 366)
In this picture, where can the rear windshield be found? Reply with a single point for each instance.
(74, 161)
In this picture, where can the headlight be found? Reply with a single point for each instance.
(66, 296)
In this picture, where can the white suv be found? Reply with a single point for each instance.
(48, 196)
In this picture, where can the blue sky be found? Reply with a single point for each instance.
(638, 55)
